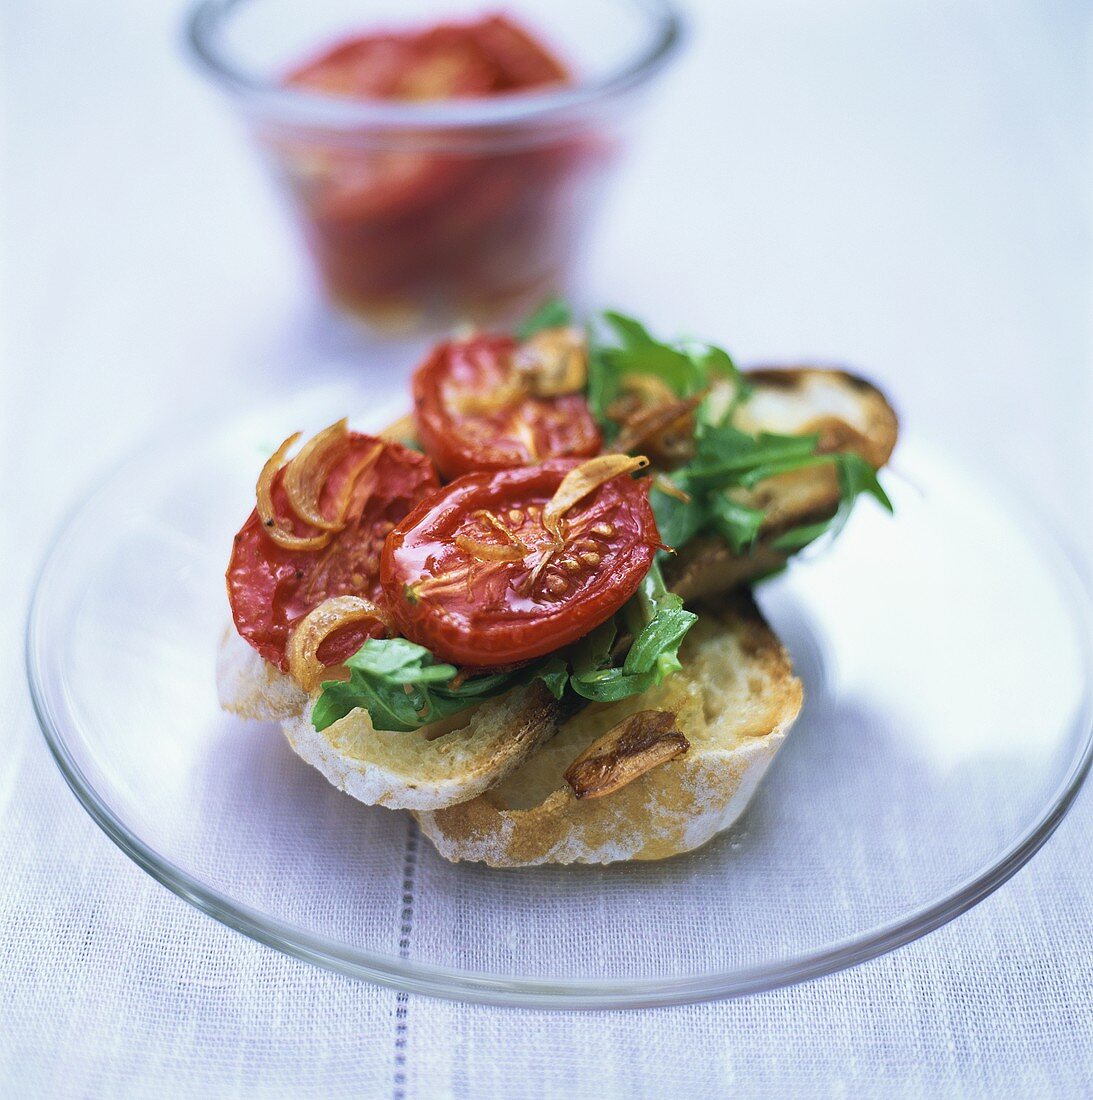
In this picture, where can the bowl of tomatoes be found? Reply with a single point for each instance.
(441, 162)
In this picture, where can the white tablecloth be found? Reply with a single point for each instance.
(902, 186)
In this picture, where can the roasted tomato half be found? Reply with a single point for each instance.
(490, 56)
(503, 567)
(366, 190)
(358, 487)
(489, 403)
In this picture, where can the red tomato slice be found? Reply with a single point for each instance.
(405, 225)
(270, 588)
(471, 414)
(448, 61)
(472, 573)
(363, 184)
(443, 63)
(522, 62)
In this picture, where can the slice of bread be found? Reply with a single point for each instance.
(734, 701)
(847, 412)
(424, 770)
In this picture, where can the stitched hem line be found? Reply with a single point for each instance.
(406, 928)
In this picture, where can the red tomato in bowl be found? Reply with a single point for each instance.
(270, 588)
(472, 414)
(473, 574)
(519, 60)
(490, 56)
(398, 222)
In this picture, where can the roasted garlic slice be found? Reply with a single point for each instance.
(636, 745)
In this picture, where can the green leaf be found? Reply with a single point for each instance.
(611, 685)
(678, 521)
(856, 476)
(394, 657)
(658, 643)
(717, 366)
(603, 386)
(726, 457)
(683, 370)
(782, 464)
(664, 615)
(403, 687)
(738, 524)
(553, 313)
(676, 370)
(593, 651)
(658, 622)
(632, 333)
(554, 672)
(796, 538)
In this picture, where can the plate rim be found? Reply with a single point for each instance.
(590, 994)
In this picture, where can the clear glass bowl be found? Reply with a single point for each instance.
(947, 727)
(417, 214)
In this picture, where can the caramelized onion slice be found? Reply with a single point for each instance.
(490, 551)
(316, 626)
(267, 513)
(654, 428)
(582, 480)
(306, 474)
(554, 362)
(470, 403)
(653, 390)
(636, 745)
(403, 430)
(669, 488)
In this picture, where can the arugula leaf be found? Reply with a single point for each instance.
(797, 538)
(553, 313)
(658, 623)
(856, 477)
(665, 625)
(725, 458)
(738, 524)
(678, 521)
(403, 687)
(684, 369)
(554, 672)
(723, 400)
(631, 332)
(602, 387)
(677, 370)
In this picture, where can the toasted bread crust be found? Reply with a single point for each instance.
(399, 770)
(847, 412)
(735, 701)
(874, 428)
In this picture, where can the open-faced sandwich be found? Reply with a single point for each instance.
(523, 611)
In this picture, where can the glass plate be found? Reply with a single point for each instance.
(946, 730)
